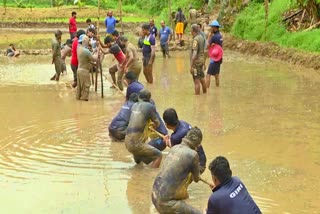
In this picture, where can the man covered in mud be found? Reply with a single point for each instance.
(229, 194)
(12, 51)
(114, 48)
(178, 170)
(56, 55)
(148, 52)
(132, 62)
(65, 51)
(180, 129)
(197, 60)
(143, 115)
(119, 124)
(85, 57)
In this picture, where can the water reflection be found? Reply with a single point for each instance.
(56, 155)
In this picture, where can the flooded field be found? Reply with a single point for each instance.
(56, 155)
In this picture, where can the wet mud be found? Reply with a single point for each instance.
(56, 155)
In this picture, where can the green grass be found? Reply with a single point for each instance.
(250, 25)
(64, 20)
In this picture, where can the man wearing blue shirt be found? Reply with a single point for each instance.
(165, 37)
(153, 28)
(133, 85)
(119, 124)
(229, 196)
(214, 66)
(110, 23)
(148, 52)
(180, 129)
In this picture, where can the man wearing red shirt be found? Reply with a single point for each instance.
(73, 25)
(74, 57)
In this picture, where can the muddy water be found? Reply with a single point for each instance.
(56, 156)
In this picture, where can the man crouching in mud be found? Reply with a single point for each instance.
(180, 167)
(142, 113)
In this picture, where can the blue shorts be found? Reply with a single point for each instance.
(214, 68)
(158, 143)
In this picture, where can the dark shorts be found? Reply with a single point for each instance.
(117, 134)
(198, 74)
(214, 68)
(158, 143)
(146, 60)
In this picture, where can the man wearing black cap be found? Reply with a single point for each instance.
(178, 170)
(133, 85)
(143, 115)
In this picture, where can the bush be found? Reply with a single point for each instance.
(250, 25)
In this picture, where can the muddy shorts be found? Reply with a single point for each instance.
(198, 72)
(214, 68)
(58, 65)
(136, 69)
(146, 60)
(173, 206)
(117, 134)
(158, 143)
(143, 152)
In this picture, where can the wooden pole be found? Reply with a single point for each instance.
(170, 17)
(120, 3)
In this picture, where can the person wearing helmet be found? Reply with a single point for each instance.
(215, 63)
(178, 170)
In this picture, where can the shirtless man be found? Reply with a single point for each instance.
(143, 114)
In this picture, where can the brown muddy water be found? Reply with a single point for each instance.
(56, 156)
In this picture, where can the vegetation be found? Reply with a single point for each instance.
(251, 22)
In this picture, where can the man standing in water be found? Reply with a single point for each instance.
(180, 167)
(73, 25)
(143, 114)
(214, 66)
(165, 37)
(229, 194)
(192, 15)
(197, 60)
(148, 52)
(83, 79)
(180, 129)
(74, 57)
(132, 62)
(56, 55)
(110, 23)
(180, 19)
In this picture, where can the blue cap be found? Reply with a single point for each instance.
(81, 37)
(214, 23)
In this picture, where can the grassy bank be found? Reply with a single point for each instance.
(250, 25)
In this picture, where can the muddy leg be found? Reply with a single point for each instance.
(78, 95)
(203, 84)
(156, 162)
(208, 80)
(112, 72)
(120, 79)
(147, 71)
(196, 86)
(217, 80)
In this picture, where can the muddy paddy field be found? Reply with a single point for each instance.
(56, 155)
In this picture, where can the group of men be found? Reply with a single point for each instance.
(138, 121)
(141, 127)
